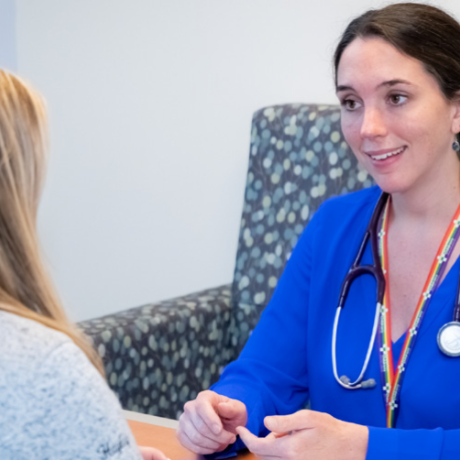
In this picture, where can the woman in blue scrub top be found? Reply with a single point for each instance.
(398, 82)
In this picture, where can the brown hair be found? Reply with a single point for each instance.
(25, 287)
(422, 31)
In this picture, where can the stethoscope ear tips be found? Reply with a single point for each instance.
(344, 379)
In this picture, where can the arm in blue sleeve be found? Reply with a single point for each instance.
(394, 443)
(270, 376)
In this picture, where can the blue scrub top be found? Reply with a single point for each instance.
(288, 356)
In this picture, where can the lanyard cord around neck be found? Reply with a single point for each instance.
(392, 378)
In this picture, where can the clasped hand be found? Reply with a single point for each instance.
(308, 435)
(208, 424)
(211, 422)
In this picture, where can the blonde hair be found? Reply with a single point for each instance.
(25, 287)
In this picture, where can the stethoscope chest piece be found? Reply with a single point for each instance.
(449, 339)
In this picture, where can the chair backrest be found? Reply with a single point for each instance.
(297, 159)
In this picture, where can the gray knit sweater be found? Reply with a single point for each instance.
(53, 403)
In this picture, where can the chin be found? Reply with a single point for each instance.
(391, 185)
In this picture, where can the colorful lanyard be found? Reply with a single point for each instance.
(392, 379)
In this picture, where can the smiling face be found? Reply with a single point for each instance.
(395, 117)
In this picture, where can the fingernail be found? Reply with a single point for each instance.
(270, 420)
(215, 428)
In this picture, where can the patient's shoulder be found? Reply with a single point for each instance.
(54, 403)
(25, 342)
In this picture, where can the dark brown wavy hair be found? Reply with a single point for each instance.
(424, 32)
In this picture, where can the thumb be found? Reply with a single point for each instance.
(232, 413)
(230, 409)
(285, 423)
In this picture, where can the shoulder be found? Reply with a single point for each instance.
(351, 203)
(28, 343)
(33, 357)
(54, 402)
(338, 222)
(339, 216)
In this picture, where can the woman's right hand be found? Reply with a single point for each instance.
(209, 422)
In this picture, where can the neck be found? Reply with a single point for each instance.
(434, 201)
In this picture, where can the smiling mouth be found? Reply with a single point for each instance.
(386, 155)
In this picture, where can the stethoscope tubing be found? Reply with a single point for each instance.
(375, 270)
(356, 385)
(354, 272)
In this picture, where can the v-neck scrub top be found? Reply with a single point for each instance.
(287, 359)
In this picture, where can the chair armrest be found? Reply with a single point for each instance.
(158, 356)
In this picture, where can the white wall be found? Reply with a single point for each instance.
(8, 52)
(150, 106)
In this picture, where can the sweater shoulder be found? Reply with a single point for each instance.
(27, 341)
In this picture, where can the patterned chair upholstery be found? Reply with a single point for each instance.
(158, 356)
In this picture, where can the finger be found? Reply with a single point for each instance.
(233, 413)
(262, 447)
(227, 409)
(201, 426)
(208, 414)
(194, 425)
(189, 444)
(231, 409)
(189, 436)
(281, 435)
(301, 420)
(202, 415)
(224, 436)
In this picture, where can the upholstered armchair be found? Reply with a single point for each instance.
(158, 356)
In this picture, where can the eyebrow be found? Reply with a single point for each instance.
(390, 83)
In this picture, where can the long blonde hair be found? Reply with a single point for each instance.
(25, 287)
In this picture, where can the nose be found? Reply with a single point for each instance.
(373, 123)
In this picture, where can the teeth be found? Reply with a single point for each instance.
(388, 155)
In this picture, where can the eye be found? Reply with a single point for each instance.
(350, 104)
(397, 99)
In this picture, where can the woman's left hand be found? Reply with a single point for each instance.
(150, 453)
(308, 435)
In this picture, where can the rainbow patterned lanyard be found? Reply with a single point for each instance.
(392, 379)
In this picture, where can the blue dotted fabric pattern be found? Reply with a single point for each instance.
(158, 356)
(298, 158)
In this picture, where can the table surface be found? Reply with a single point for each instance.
(160, 432)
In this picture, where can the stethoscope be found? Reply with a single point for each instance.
(448, 336)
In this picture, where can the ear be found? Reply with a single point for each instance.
(456, 114)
